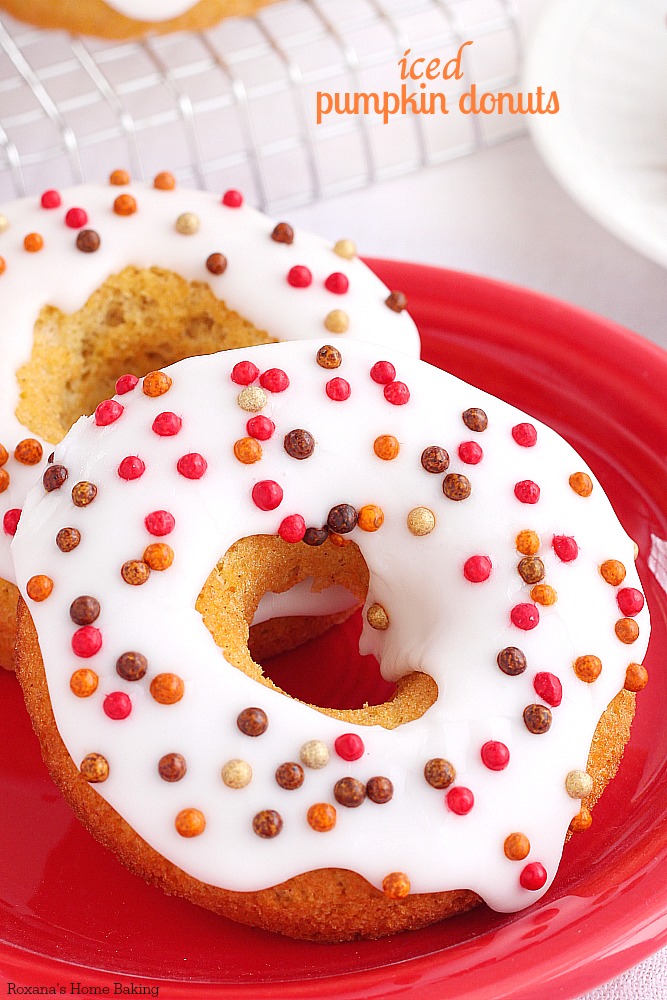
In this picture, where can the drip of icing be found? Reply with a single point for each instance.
(151, 10)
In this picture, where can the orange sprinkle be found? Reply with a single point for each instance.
(581, 821)
(613, 572)
(28, 452)
(627, 630)
(39, 587)
(528, 542)
(4, 480)
(516, 847)
(190, 822)
(125, 204)
(636, 677)
(158, 556)
(247, 450)
(370, 517)
(94, 768)
(386, 447)
(164, 181)
(167, 689)
(83, 682)
(119, 177)
(587, 668)
(581, 483)
(4, 454)
(33, 242)
(3, 265)
(396, 885)
(338, 540)
(543, 594)
(156, 384)
(322, 817)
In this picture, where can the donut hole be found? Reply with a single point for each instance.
(258, 564)
(136, 321)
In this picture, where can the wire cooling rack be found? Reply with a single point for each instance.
(235, 106)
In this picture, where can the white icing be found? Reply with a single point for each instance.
(151, 10)
(254, 283)
(303, 600)
(439, 623)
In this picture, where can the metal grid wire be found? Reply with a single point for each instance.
(235, 106)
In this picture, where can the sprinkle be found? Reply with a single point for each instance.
(107, 412)
(158, 556)
(39, 587)
(434, 459)
(125, 205)
(83, 682)
(495, 755)
(475, 419)
(94, 768)
(236, 773)
(88, 241)
(3, 265)
(338, 389)
(75, 218)
(613, 572)
(397, 393)
(172, 767)
(299, 444)
(232, 198)
(377, 617)
(4, 223)
(135, 572)
(84, 610)
(292, 528)
(379, 790)
(636, 677)
(190, 823)
(187, 223)
(565, 547)
(164, 181)
(337, 283)
(420, 521)
(329, 357)
(525, 616)
(630, 601)
(527, 491)
(627, 630)
(383, 372)
(349, 746)
(267, 494)
(512, 661)
(167, 424)
(67, 539)
(525, 435)
(11, 520)
(533, 876)
(528, 543)
(167, 689)
(582, 821)
(456, 487)
(439, 773)
(460, 800)
(86, 641)
(131, 467)
(290, 775)
(131, 666)
(349, 792)
(267, 824)
(386, 447)
(251, 399)
(28, 452)
(345, 249)
(581, 483)
(216, 263)
(316, 536)
(119, 178)
(531, 569)
(342, 518)
(337, 321)
(51, 199)
(117, 705)
(260, 427)
(587, 668)
(321, 817)
(578, 784)
(314, 754)
(516, 847)
(477, 569)
(192, 466)
(274, 380)
(470, 453)
(247, 450)
(4, 455)
(283, 233)
(156, 384)
(396, 885)
(370, 517)
(299, 276)
(549, 688)
(537, 719)
(33, 243)
(125, 384)
(396, 301)
(252, 721)
(159, 522)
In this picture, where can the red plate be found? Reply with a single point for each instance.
(69, 913)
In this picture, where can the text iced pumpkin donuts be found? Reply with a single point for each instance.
(500, 594)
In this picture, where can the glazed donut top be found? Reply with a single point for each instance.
(151, 10)
(287, 289)
(489, 545)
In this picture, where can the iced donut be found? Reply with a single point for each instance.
(499, 593)
(105, 279)
(128, 18)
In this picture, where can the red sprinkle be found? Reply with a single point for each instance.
(397, 393)
(192, 466)
(232, 198)
(525, 435)
(565, 547)
(117, 705)
(260, 427)
(126, 383)
(51, 199)
(349, 747)
(292, 528)
(160, 522)
(460, 800)
(107, 412)
(470, 453)
(630, 601)
(337, 283)
(274, 380)
(383, 372)
(533, 876)
(267, 494)
(548, 688)
(495, 755)
(131, 467)
(75, 218)
(244, 373)
(10, 520)
(477, 569)
(167, 424)
(525, 616)
(299, 276)
(527, 491)
(338, 389)
(87, 641)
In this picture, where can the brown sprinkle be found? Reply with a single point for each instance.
(94, 768)
(84, 610)
(83, 682)
(613, 572)
(329, 357)
(537, 718)
(54, 477)
(156, 384)
(216, 263)
(396, 301)
(435, 459)
(67, 539)
(131, 666)
(386, 447)
(299, 444)
(28, 452)
(267, 824)
(252, 721)
(88, 241)
(581, 484)
(531, 569)
(636, 677)
(290, 775)
(39, 587)
(172, 767)
(512, 661)
(349, 792)
(135, 572)
(516, 847)
(167, 689)
(439, 772)
(587, 668)
(396, 885)
(456, 487)
(322, 817)
(627, 630)
(379, 790)
(283, 233)
(316, 536)
(342, 518)
(475, 419)
(83, 494)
